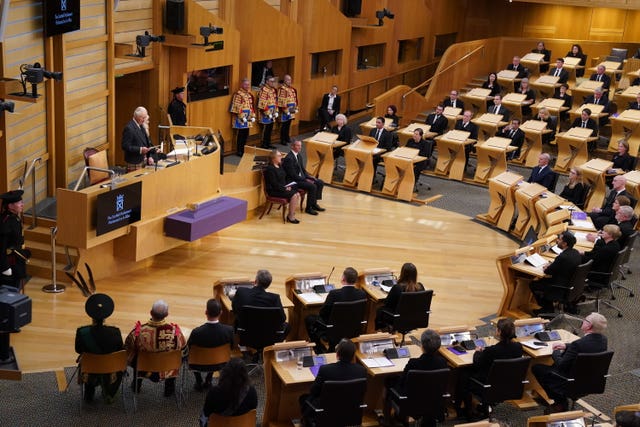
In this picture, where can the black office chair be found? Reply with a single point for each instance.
(624, 268)
(554, 182)
(601, 280)
(412, 312)
(588, 375)
(340, 404)
(505, 381)
(259, 327)
(345, 321)
(582, 199)
(569, 296)
(416, 400)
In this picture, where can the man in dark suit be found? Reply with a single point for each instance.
(559, 71)
(585, 121)
(453, 101)
(210, 334)
(258, 296)
(559, 271)
(564, 356)
(515, 134)
(542, 174)
(343, 370)
(635, 105)
(599, 98)
(260, 72)
(466, 125)
(136, 143)
(293, 166)
(498, 108)
(382, 135)
(627, 222)
(605, 250)
(329, 108)
(603, 215)
(348, 292)
(517, 66)
(437, 121)
(601, 76)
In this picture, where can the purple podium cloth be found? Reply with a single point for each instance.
(206, 218)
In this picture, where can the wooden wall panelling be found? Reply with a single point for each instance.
(371, 36)
(632, 25)
(607, 24)
(212, 6)
(132, 18)
(132, 91)
(411, 22)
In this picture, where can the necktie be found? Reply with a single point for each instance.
(557, 72)
(378, 134)
(435, 119)
(599, 75)
(496, 109)
(584, 124)
(511, 132)
(299, 162)
(453, 104)
(596, 101)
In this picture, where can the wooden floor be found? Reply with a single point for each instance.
(455, 257)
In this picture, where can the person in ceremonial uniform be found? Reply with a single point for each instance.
(136, 143)
(288, 105)
(99, 338)
(154, 336)
(267, 106)
(243, 114)
(14, 256)
(177, 108)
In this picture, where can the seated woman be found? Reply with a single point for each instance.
(540, 48)
(392, 113)
(574, 191)
(492, 84)
(576, 52)
(622, 159)
(276, 185)
(544, 116)
(425, 149)
(233, 395)
(344, 133)
(561, 93)
(408, 282)
(529, 99)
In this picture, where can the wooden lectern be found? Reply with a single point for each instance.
(546, 85)
(533, 61)
(526, 197)
(451, 156)
(502, 207)
(593, 174)
(532, 146)
(358, 159)
(627, 96)
(252, 158)
(633, 187)
(453, 114)
(572, 148)
(572, 64)
(320, 159)
(514, 102)
(477, 98)
(583, 90)
(508, 79)
(492, 158)
(625, 127)
(489, 124)
(547, 211)
(406, 133)
(400, 177)
(366, 127)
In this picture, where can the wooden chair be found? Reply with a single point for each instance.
(283, 203)
(208, 359)
(161, 361)
(91, 363)
(244, 420)
(98, 159)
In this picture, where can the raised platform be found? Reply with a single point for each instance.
(205, 218)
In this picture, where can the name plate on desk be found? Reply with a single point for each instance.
(118, 208)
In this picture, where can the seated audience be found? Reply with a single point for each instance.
(437, 121)
(576, 52)
(210, 334)
(601, 76)
(626, 220)
(529, 99)
(564, 356)
(99, 338)
(329, 107)
(544, 116)
(516, 66)
(574, 191)
(542, 174)
(585, 121)
(295, 171)
(561, 93)
(604, 252)
(407, 282)
(341, 128)
(559, 71)
(599, 98)
(465, 124)
(385, 139)
(492, 84)
(425, 149)
(603, 215)
(515, 134)
(233, 395)
(498, 108)
(392, 113)
(453, 101)
(622, 160)
(636, 104)
(540, 48)
(276, 185)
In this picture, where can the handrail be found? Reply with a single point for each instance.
(30, 170)
(424, 83)
(111, 173)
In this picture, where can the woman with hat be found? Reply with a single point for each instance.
(177, 108)
(98, 338)
(13, 255)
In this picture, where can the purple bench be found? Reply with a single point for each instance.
(206, 218)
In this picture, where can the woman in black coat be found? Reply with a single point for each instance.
(275, 181)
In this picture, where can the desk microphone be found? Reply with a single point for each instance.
(329, 276)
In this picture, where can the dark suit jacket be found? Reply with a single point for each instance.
(544, 177)
(496, 89)
(133, 138)
(211, 335)
(516, 140)
(325, 104)
(440, 124)
(603, 254)
(627, 229)
(520, 69)
(623, 162)
(98, 339)
(294, 168)
(344, 134)
(590, 343)
(338, 371)
(256, 296)
(386, 139)
(591, 124)
(426, 362)
(482, 360)
(447, 103)
(562, 268)
(607, 206)
(343, 294)
(606, 80)
(471, 127)
(502, 110)
(564, 74)
(604, 100)
(634, 105)
(568, 100)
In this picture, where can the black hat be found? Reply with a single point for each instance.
(99, 306)
(177, 90)
(11, 196)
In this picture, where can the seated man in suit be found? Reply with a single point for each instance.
(425, 148)
(517, 66)
(515, 134)
(564, 356)
(603, 215)
(348, 292)
(437, 121)
(258, 296)
(601, 76)
(210, 334)
(636, 104)
(343, 370)
(626, 222)
(453, 101)
(498, 108)
(384, 137)
(559, 71)
(542, 174)
(293, 166)
(466, 125)
(558, 273)
(585, 121)
(605, 250)
(329, 108)
(599, 98)
(561, 93)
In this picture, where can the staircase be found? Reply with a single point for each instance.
(38, 241)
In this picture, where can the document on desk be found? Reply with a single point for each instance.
(385, 288)
(531, 345)
(536, 260)
(311, 297)
(377, 362)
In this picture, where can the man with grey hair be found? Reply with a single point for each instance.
(155, 336)
(542, 174)
(136, 142)
(564, 356)
(626, 221)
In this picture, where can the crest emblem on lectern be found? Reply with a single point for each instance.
(120, 202)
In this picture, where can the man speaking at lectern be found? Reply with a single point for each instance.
(136, 143)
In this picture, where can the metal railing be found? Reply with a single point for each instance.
(86, 169)
(30, 170)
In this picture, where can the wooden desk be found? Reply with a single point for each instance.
(514, 102)
(502, 189)
(224, 290)
(547, 211)
(451, 154)
(453, 114)
(400, 177)
(366, 127)
(508, 79)
(553, 105)
(477, 98)
(625, 126)
(370, 280)
(585, 89)
(627, 96)
(532, 146)
(593, 174)
(633, 187)
(612, 68)
(596, 112)
(572, 64)
(492, 158)
(358, 158)
(572, 148)
(320, 161)
(546, 85)
(533, 61)
(407, 132)
(556, 420)
(517, 299)
(304, 303)
(252, 157)
(526, 196)
(488, 125)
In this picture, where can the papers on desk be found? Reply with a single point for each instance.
(536, 260)
(311, 297)
(584, 224)
(531, 345)
(385, 288)
(377, 362)
(556, 250)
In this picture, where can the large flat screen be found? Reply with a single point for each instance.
(118, 208)
(60, 16)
